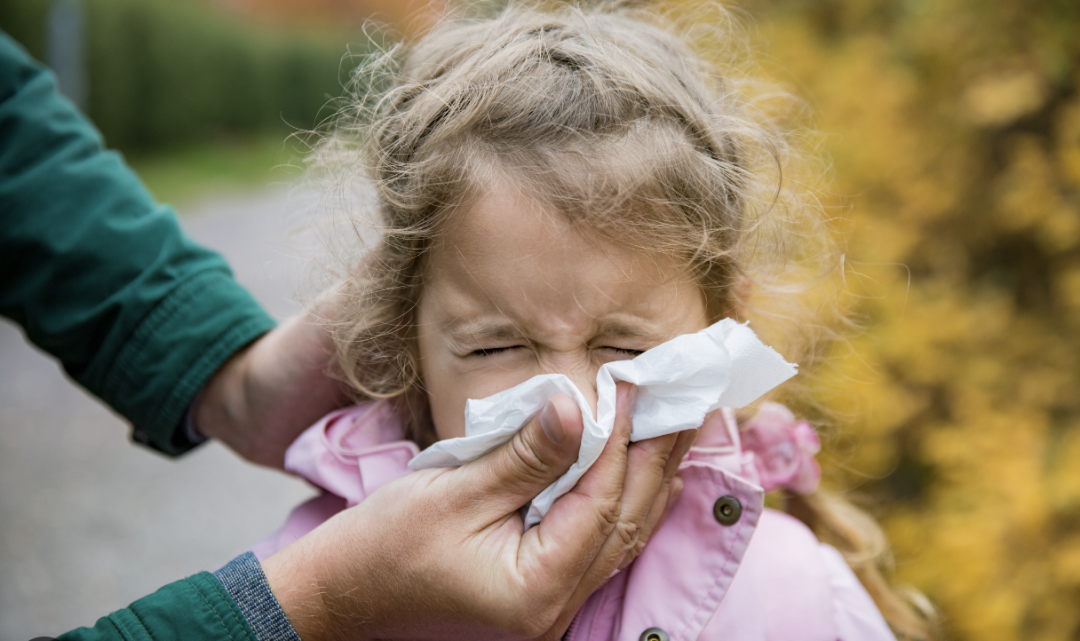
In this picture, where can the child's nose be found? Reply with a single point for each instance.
(581, 373)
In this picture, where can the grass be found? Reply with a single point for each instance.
(181, 175)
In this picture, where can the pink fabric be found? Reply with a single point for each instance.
(784, 450)
(348, 454)
(763, 578)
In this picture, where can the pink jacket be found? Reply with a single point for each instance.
(721, 567)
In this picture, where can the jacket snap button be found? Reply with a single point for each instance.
(727, 511)
(653, 634)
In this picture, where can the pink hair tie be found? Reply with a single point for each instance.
(783, 449)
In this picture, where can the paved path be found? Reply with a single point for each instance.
(89, 522)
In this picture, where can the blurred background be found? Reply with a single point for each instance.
(953, 132)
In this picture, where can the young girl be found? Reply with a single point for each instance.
(561, 190)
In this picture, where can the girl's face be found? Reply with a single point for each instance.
(512, 291)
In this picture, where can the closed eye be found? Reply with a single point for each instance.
(491, 351)
(626, 352)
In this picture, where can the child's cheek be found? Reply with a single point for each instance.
(448, 394)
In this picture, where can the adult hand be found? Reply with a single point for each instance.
(262, 398)
(443, 553)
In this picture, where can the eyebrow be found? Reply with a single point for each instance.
(484, 330)
(619, 329)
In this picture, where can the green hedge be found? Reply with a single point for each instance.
(165, 72)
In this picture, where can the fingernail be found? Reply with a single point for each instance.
(552, 424)
(631, 400)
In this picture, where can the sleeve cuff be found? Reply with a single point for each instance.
(191, 432)
(176, 349)
(245, 582)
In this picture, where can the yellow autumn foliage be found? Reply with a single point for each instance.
(953, 132)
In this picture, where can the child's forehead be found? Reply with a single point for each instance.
(512, 257)
(504, 224)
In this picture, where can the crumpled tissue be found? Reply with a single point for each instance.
(679, 382)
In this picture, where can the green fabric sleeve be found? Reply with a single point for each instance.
(195, 608)
(97, 273)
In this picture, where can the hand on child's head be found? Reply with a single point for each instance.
(512, 290)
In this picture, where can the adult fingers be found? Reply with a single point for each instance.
(644, 479)
(633, 504)
(567, 543)
(646, 485)
(670, 488)
(511, 475)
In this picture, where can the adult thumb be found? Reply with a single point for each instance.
(512, 474)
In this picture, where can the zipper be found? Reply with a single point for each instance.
(573, 627)
(581, 625)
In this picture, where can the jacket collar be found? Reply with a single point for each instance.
(352, 452)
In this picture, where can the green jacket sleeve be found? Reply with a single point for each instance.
(196, 608)
(97, 273)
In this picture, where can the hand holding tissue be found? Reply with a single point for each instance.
(679, 382)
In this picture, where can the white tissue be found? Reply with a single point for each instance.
(679, 382)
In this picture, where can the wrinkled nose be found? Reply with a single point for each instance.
(581, 373)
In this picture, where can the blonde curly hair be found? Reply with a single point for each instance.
(610, 116)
